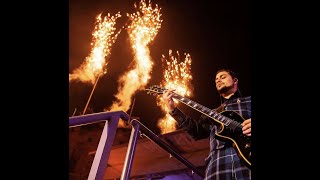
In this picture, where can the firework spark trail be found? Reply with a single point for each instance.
(104, 36)
(177, 75)
(142, 30)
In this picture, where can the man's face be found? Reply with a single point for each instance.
(223, 81)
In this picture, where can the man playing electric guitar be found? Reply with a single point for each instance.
(229, 156)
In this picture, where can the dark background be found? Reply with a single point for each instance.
(217, 34)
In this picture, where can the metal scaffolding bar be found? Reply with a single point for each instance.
(106, 140)
(148, 133)
(130, 153)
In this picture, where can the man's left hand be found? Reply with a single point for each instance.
(246, 127)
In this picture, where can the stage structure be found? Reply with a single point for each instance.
(102, 153)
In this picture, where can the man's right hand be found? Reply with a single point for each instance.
(167, 97)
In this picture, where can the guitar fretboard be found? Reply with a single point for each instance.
(209, 112)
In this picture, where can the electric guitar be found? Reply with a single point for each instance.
(230, 122)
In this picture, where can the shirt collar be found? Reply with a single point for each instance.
(234, 96)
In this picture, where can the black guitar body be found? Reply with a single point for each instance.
(233, 134)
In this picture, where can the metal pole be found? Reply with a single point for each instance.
(74, 112)
(95, 84)
(101, 157)
(130, 115)
(167, 147)
(130, 152)
(95, 118)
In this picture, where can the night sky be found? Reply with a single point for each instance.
(215, 33)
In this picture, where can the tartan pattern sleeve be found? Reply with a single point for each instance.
(196, 129)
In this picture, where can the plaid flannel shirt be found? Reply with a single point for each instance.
(204, 128)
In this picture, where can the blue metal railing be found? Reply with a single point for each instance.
(137, 125)
(106, 140)
(101, 157)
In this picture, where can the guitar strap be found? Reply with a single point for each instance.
(220, 108)
(223, 105)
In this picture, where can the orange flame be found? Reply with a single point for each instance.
(103, 38)
(144, 27)
(176, 76)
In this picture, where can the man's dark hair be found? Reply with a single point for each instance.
(232, 74)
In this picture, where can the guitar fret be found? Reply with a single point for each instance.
(203, 108)
(228, 122)
(225, 120)
(215, 115)
(206, 110)
(222, 119)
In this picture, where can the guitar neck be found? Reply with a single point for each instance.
(192, 104)
(204, 110)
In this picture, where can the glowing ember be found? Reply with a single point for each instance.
(103, 38)
(176, 76)
(142, 30)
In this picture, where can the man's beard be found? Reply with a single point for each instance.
(225, 89)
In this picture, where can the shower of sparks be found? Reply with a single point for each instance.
(104, 36)
(142, 30)
(177, 75)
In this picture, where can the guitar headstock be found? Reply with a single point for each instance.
(155, 90)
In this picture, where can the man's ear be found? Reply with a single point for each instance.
(235, 80)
